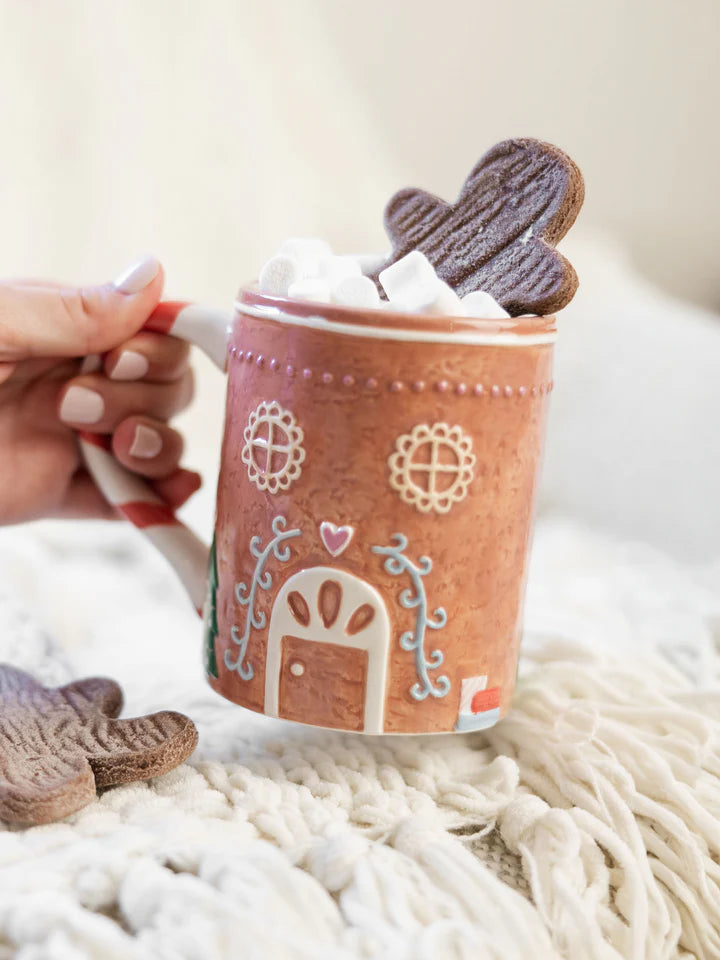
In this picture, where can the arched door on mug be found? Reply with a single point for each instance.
(327, 651)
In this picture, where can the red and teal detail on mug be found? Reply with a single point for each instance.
(479, 707)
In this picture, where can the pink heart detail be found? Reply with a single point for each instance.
(335, 538)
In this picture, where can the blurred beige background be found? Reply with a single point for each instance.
(207, 132)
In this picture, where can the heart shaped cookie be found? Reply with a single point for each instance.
(500, 235)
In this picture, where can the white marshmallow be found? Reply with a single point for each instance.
(278, 274)
(433, 296)
(446, 301)
(310, 288)
(483, 306)
(405, 275)
(370, 262)
(356, 291)
(308, 251)
(336, 269)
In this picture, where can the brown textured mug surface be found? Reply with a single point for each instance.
(374, 514)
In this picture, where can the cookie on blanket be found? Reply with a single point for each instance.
(499, 237)
(57, 746)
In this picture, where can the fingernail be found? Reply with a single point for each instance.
(138, 276)
(81, 405)
(147, 443)
(130, 366)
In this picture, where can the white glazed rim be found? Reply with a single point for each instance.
(402, 327)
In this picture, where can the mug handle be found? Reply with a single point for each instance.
(208, 329)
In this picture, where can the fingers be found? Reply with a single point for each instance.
(176, 489)
(148, 356)
(147, 447)
(49, 321)
(92, 402)
(6, 371)
(83, 500)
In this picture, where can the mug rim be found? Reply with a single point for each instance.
(376, 323)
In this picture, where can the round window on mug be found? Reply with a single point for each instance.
(432, 466)
(273, 448)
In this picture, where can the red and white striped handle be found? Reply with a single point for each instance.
(133, 497)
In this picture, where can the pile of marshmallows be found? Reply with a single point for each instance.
(307, 269)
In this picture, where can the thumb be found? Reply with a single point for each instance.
(56, 321)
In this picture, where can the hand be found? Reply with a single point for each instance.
(46, 331)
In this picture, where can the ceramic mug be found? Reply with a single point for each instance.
(374, 511)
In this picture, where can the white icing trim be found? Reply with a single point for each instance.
(388, 333)
(333, 528)
(402, 466)
(375, 638)
(273, 416)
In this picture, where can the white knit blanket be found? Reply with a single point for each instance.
(585, 825)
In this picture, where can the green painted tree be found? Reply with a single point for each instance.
(211, 624)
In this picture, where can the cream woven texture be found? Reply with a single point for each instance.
(586, 825)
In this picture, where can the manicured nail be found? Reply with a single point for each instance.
(81, 405)
(130, 366)
(138, 276)
(147, 443)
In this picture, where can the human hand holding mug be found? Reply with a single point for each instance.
(46, 389)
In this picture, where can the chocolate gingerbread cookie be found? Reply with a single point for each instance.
(57, 746)
(518, 202)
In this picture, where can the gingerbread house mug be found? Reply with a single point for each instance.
(374, 510)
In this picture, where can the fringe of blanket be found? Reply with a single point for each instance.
(617, 817)
(585, 826)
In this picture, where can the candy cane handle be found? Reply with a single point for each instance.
(206, 327)
(132, 496)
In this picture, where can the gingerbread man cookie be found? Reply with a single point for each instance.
(518, 202)
(57, 746)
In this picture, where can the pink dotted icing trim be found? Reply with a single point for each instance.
(461, 389)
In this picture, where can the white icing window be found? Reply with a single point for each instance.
(432, 466)
(273, 448)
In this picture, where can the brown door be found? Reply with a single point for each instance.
(323, 683)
